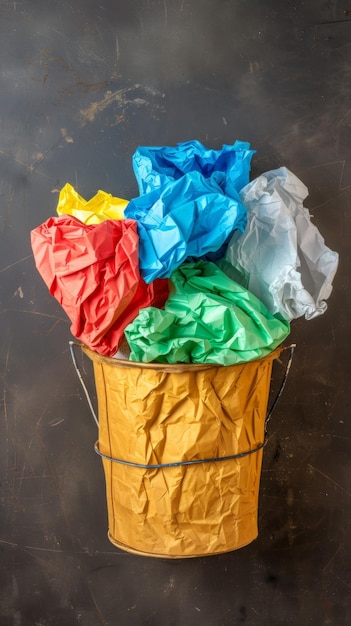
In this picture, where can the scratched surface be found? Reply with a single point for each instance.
(82, 85)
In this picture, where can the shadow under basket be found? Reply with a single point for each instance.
(181, 447)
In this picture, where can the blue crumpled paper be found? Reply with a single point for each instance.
(228, 167)
(187, 217)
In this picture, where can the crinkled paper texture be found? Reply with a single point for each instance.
(92, 270)
(189, 217)
(229, 167)
(282, 257)
(103, 206)
(209, 319)
(166, 414)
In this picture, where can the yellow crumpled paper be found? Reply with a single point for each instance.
(102, 206)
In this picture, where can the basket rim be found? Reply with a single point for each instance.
(172, 367)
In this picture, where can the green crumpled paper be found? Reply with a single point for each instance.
(208, 319)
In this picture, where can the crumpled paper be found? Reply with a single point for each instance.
(102, 206)
(282, 257)
(188, 217)
(209, 319)
(229, 167)
(92, 270)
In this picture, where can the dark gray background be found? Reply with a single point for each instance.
(83, 84)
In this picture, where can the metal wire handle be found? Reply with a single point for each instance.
(81, 380)
(292, 347)
(282, 386)
(239, 455)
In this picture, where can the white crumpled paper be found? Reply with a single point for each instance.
(281, 257)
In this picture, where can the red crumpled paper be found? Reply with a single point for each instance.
(93, 272)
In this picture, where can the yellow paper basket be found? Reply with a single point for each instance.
(181, 447)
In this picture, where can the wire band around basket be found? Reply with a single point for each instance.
(239, 455)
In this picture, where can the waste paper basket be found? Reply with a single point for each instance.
(181, 447)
